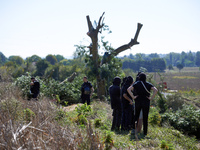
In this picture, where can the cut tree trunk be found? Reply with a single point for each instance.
(93, 34)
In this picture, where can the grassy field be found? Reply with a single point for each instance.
(188, 78)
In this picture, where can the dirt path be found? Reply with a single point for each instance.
(70, 107)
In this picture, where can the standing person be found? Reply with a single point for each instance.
(127, 104)
(35, 88)
(140, 120)
(86, 91)
(142, 100)
(114, 91)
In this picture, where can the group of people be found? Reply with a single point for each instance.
(130, 102)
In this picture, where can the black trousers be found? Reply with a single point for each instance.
(117, 115)
(128, 117)
(85, 99)
(142, 104)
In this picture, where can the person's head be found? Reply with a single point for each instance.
(129, 80)
(32, 79)
(85, 79)
(142, 77)
(116, 81)
(137, 77)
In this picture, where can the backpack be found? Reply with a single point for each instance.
(87, 89)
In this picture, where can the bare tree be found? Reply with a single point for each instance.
(93, 34)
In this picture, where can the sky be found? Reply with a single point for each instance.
(42, 27)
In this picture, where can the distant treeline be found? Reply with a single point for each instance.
(154, 62)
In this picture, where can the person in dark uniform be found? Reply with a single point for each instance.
(114, 91)
(86, 91)
(35, 88)
(127, 103)
(142, 99)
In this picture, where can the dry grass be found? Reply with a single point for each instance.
(42, 131)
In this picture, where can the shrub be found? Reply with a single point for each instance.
(83, 109)
(166, 146)
(186, 120)
(175, 101)
(161, 103)
(82, 120)
(67, 92)
(60, 114)
(28, 114)
(154, 116)
(108, 140)
(97, 123)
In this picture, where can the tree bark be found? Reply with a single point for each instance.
(93, 34)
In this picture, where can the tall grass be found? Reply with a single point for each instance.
(44, 125)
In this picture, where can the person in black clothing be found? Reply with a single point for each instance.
(86, 91)
(35, 88)
(114, 91)
(127, 103)
(142, 99)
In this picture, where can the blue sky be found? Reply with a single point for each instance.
(45, 27)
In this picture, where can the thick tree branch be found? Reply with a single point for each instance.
(90, 27)
(123, 47)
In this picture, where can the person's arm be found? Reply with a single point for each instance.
(127, 98)
(129, 90)
(92, 90)
(32, 83)
(154, 92)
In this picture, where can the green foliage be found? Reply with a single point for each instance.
(28, 114)
(174, 101)
(161, 102)
(150, 65)
(82, 120)
(67, 92)
(51, 59)
(197, 59)
(16, 59)
(170, 67)
(83, 109)
(154, 116)
(186, 119)
(59, 57)
(108, 140)
(33, 58)
(60, 114)
(3, 58)
(179, 66)
(97, 123)
(41, 66)
(166, 146)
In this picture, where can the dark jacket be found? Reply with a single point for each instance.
(114, 91)
(35, 88)
(141, 91)
(86, 88)
(127, 84)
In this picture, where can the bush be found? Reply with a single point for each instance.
(154, 116)
(83, 109)
(186, 120)
(67, 92)
(175, 101)
(28, 114)
(97, 123)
